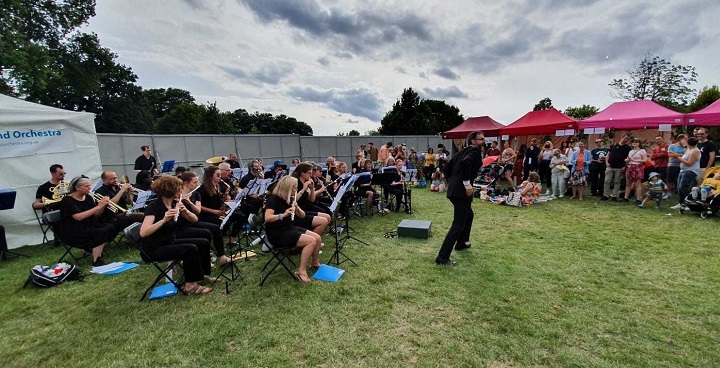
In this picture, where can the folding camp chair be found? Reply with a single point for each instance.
(132, 234)
(43, 227)
(278, 256)
(52, 220)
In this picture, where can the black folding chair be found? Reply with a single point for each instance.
(132, 234)
(52, 220)
(278, 256)
(43, 227)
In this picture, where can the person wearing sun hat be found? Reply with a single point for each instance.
(655, 191)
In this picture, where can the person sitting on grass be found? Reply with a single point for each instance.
(158, 235)
(438, 181)
(530, 189)
(656, 190)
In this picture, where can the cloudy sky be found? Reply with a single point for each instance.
(341, 64)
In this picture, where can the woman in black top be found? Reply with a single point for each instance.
(213, 194)
(530, 162)
(200, 229)
(364, 188)
(314, 219)
(158, 235)
(282, 233)
(80, 226)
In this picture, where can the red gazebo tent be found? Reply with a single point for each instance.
(540, 122)
(630, 115)
(709, 116)
(489, 127)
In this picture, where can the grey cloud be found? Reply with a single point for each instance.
(446, 73)
(422, 75)
(196, 4)
(356, 101)
(351, 121)
(400, 70)
(444, 93)
(272, 73)
(324, 60)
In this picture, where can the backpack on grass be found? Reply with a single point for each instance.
(56, 274)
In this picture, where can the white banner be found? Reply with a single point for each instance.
(30, 142)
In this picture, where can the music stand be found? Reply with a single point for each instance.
(7, 202)
(342, 233)
(168, 166)
(383, 180)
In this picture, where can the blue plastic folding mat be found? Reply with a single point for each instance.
(328, 273)
(163, 291)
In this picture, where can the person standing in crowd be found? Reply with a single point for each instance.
(689, 168)
(546, 155)
(635, 171)
(530, 162)
(441, 157)
(233, 161)
(675, 150)
(659, 157)
(615, 168)
(708, 151)
(373, 151)
(507, 159)
(580, 161)
(412, 160)
(494, 150)
(597, 168)
(384, 153)
(462, 170)
(146, 161)
(429, 163)
(518, 169)
(57, 174)
(557, 172)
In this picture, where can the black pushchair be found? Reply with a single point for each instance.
(709, 206)
(488, 179)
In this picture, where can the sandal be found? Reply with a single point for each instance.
(225, 260)
(198, 289)
(211, 279)
(303, 277)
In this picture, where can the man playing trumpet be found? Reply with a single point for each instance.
(121, 195)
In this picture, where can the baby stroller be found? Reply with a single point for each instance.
(488, 178)
(708, 206)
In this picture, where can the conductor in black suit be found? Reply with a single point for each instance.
(463, 168)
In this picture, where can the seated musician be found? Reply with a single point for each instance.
(213, 195)
(227, 178)
(363, 188)
(277, 171)
(143, 180)
(80, 224)
(190, 195)
(322, 195)
(120, 194)
(57, 174)
(233, 161)
(282, 233)
(158, 235)
(314, 219)
(252, 203)
(397, 187)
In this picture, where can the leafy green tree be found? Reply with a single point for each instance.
(126, 114)
(353, 133)
(544, 104)
(372, 132)
(412, 115)
(162, 100)
(31, 33)
(186, 118)
(582, 112)
(705, 98)
(657, 79)
(242, 122)
(215, 121)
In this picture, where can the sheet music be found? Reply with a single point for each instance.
(240, 172)
(232, 205)
(260, 188)
(341, 191)
(141, 199)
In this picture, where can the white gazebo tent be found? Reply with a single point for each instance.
(33, 137)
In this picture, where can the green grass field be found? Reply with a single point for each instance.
(563, 283)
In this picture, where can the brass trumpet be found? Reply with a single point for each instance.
(112, 206)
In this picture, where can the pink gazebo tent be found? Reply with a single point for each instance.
(486, 124)
(630, 115)
(540, 122)
(709, 116)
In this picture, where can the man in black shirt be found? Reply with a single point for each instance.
(57, 174)
(120, 194)
(251, 203)
(461, 170)
(146, 161)
(707, 153)
(233, 161)
(277, 171)
(616, 167)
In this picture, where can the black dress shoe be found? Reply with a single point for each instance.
(448, 263)
(463, 246)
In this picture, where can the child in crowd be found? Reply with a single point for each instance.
(656, 190)
(438, 181)
(711, 185)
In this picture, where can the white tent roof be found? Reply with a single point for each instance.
(26, 173)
